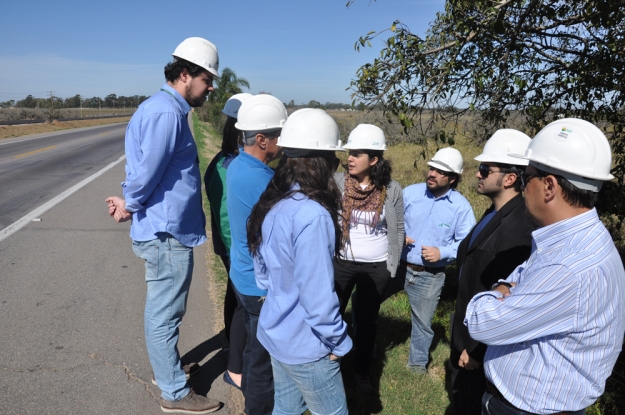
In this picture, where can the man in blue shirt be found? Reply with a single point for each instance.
(261, 119)
(500, 241)
(162, 196)
(436, 218)
(554, 328)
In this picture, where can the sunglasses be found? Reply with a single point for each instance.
(526, 177)
(485, 171)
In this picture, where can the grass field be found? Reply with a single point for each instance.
(400, 391)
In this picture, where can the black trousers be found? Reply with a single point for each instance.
(467, 386)
(370, 280)
(235, 325)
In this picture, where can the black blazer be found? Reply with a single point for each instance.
(498, 249)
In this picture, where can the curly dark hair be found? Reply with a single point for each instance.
(380, 174)
(174, 69)
(313, 174)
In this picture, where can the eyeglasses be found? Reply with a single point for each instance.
(485, 171)
(526, 177)
(439, 172)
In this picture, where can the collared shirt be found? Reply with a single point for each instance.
(246, 180)
(300, 321)
(553, 342)
(163, 186)
(441, 222)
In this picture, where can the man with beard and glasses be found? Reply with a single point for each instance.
(500, 241)
(436, 218)
(162, 196)
(554, 327)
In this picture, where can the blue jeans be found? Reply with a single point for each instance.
(424, 291)
(257, 379)
(317, 386)
(168, 270)
(493, 406)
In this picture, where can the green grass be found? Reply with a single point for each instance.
(400, 391)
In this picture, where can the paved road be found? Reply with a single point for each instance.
(71, 300)
(34, 169)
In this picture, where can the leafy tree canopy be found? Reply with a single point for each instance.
(533, 60)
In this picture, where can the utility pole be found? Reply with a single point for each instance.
(51, 102)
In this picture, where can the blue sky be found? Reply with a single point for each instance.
(297, 50)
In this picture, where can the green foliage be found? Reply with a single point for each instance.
(504, 60)
(226, 86)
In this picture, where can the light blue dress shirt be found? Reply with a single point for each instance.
(246, 180)
(300, 321)
(554, 341)
(441, 222)
(163, 185)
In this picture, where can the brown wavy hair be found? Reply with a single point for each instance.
(313, 174)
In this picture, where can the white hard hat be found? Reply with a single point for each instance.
(502, 143)
(574, 149)
(231, 109)
(200, 52)
(262, 112)
(447, 159)
(310, 129)
(366, 137)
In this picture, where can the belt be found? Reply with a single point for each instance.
(421, 268)
(492, 389)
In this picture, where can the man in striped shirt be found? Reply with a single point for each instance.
(554, 328)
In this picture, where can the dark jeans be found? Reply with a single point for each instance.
(493, 406)
(257, 380)
(468, 386)
(370, 279)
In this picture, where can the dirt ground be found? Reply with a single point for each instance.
(10, 131)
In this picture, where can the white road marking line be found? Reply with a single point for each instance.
(16, 226)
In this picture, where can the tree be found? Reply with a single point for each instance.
(504, 62)
(226, 86)
(73, 102)
(511, 63)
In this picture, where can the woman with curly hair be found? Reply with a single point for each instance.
(372, 221)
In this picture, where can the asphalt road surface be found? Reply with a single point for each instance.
(72, 292)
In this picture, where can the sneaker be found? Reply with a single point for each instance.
(191, 404)
(228, 379)
(363, 383)
(189, 370)
(417, 370)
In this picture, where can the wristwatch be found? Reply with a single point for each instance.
(498, 283)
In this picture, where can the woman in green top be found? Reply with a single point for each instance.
(215, 183)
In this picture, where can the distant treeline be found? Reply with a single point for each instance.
(77, 101)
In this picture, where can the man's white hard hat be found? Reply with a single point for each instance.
(447, 159)
(200, 52)
(502, 143)
(262, 112)
(574, 149)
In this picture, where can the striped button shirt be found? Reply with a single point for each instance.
(553, 342)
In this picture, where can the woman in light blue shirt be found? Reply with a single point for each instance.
(293, 234)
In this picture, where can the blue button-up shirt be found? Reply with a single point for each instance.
(163, 186)
(554, 341)
(300, 321)
(441, 222)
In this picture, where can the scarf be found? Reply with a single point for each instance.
(369, 199)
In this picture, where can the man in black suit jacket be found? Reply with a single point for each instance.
(498, 243)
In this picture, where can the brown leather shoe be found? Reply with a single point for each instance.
(191, 404)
